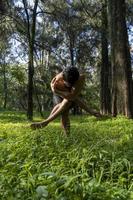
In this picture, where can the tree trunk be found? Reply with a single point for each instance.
(5, 86)
(71, 47)
(122, 96)
(31, 27)
(38, 101)
(30, 84)
(105, 67)
(2, 7)
(75, 109)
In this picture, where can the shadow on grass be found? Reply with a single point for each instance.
(103, 118)
(18, 116)
(89, 118)
(10, 116)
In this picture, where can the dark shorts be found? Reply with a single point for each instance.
(57, 99)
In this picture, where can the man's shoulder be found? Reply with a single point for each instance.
(59, 76)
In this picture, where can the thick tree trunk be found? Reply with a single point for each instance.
(122, 96)
(76, 109)
(30, 84)
(105, 67)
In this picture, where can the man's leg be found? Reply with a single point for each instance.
(83, 105)
(55, 108)
(65, 122)
(63, 106)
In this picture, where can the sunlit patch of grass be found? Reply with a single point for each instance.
(94, 163)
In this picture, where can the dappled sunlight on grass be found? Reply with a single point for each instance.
(95, 160)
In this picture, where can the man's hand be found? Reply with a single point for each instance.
(38, 125)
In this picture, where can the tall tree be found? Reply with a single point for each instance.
(5, 86)
(5, 34)
(31, 28)
(105, 66)
(122, 96)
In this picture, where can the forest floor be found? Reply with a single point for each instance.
(94, 163)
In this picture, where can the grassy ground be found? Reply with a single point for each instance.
(94, 163)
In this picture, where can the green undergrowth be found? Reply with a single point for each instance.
(94, 163)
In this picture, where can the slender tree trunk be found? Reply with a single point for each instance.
(71, 47)
(38, 101)
(105, 66)
(122, 96)
(47, 60)
(31, 27)
(5, 86)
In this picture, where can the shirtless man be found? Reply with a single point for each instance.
(74, 83)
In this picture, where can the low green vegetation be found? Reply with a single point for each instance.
(94, 163)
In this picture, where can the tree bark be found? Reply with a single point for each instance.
(5, 86)
(105, 66)
(72, 51)
(31, 27)
(38, 101)
(30, 84)
(2, 7)
(122, 96)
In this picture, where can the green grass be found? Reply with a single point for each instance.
(94, 163)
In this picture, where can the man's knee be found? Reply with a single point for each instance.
(65, 105)
(65, 102)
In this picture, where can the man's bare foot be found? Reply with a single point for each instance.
(38, 125)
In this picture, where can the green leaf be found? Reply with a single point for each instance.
(42, 191)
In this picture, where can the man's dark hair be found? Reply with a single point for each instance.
(70, 75)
